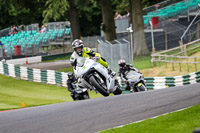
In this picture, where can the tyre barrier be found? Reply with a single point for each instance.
(60, 78)
(32, 74)
(165, 82)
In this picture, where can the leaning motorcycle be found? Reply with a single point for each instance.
(135, 81)
(94, 76)
(80, 93)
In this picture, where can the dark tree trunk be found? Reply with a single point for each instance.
(74, 20)
(108, 25)
(140, 46)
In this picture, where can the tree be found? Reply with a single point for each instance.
(15, 12)
(108, 25)
(54, 9)
(57, 9)
(74, 20)
(140, 46)
(90, 16)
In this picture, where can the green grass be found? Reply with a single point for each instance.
(13, 92)
(193, 51)
(189, 52)
(68, 69)
(142, 62)
(173, 52)
(184, 121)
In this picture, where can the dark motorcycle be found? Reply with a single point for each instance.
(80, 93)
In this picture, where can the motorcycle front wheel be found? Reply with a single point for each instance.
(86, 96)
(118, 91)
(97, 84)
(141, 87)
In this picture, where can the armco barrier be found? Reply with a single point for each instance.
(37, 59)
(165, 82)
(21, 61)
(60, 78)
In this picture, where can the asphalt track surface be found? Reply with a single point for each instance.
(98, 114)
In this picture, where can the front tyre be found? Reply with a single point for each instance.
(141, 87)
(86, 96)
(101, 89)
(118, 91)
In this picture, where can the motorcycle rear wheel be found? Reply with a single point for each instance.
(98, 86)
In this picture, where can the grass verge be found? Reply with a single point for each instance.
(68, 69)
(142, 62)
(13, 92)
(184, 121)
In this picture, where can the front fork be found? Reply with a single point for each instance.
(135, 88)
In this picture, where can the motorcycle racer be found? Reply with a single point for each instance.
(123, 70)
(80, 52)
(71, 79)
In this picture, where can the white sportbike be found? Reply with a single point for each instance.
(94, 76)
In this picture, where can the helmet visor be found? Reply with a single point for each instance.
(122, 64)
(78, 49)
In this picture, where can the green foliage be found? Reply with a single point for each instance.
(12, 11)
(122, 6)
(87, 8)
(17, 12)
(55, 9)
(90, 17)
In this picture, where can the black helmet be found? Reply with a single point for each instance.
(78, 44)
(70, 75)
(121, 62)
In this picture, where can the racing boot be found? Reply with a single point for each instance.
(111, 72)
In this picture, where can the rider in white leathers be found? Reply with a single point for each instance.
(80, 53)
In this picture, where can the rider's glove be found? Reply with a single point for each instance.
(96, 58)
(139, 72)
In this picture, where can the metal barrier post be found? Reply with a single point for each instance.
(152, 37)
(190, 25)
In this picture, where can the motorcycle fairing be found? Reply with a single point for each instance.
(89, 64)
